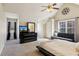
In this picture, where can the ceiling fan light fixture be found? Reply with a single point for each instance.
(49, 9)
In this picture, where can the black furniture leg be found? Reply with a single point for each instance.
(44, 52)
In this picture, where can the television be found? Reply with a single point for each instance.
(23, 28)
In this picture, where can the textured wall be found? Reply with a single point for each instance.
(2, 28)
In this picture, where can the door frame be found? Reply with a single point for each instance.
(17, 27)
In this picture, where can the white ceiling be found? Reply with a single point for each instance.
(30, 10)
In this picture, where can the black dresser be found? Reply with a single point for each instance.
(27, 37)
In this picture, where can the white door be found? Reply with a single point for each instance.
(49, 29)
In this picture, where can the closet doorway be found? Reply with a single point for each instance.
(11, 29)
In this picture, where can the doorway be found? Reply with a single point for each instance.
(11, 29)
(48, 29)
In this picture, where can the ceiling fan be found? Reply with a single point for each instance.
(50, 7)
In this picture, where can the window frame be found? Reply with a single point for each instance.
(66, 21)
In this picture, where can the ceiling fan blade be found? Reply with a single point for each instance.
(56, 8)
(43, 10)
(54, 4)
(44, 6)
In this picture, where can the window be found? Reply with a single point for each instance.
(62, 27)
(70, 26)
(66, 26)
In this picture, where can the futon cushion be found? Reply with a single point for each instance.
(66, 35)
(60, 47)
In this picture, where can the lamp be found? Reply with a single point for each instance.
(55, 33)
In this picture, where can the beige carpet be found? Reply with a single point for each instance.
(13, 48)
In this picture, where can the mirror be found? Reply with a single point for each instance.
(31, 27)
